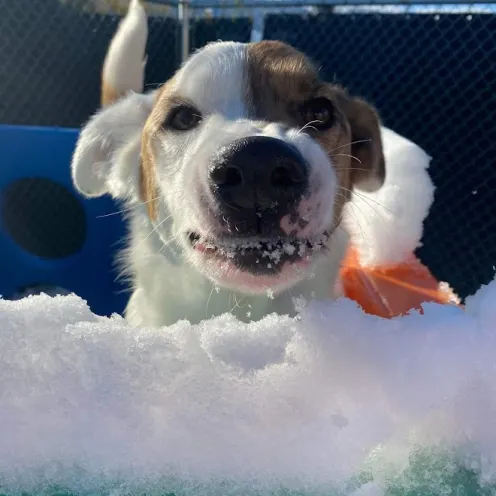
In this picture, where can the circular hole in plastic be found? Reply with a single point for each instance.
(43, 217)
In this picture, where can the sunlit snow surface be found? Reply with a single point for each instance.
(333, 402)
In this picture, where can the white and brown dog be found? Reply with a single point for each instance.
(234, 173)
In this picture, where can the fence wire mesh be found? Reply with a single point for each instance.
(430, 70)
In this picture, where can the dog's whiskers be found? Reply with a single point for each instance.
(237, 304)
(156, 85)
(128, 209)
(366, 199)
(346, 155)
(208, 300)
(352, 169)
(351, 143)
(354, 217)
(150, 233)
(173, 239)
(307, 126)
(354, 205)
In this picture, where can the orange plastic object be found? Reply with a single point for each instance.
(392, 290)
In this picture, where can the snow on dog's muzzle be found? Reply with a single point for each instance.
(260, 256)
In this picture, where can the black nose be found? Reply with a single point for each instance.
(259, 173)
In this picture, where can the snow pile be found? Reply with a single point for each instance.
(334, 401)
(386, 226)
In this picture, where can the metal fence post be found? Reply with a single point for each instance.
(183, 14)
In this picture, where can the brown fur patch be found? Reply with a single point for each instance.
(148, 185)
(153, 125)
(368, 169)
(109, 94)
(281, 79)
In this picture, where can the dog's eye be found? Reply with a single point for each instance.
(183, 118)
(318, 113)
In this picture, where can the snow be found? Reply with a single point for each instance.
(89, 404)
(386, 226)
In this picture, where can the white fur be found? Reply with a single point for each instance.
(214, 79)
(97, 167)
(124, 65)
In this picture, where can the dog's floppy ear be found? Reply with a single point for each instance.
(106, 158)
(369, 173)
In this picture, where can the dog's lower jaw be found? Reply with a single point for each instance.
(167, 289)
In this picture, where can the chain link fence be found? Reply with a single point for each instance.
(429, 69)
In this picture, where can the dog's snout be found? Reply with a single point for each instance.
(259, 172)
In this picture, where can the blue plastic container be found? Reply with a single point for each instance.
(49, 234)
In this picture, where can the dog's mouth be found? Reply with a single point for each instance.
(259, 256)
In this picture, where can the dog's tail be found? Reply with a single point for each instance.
(124, 66)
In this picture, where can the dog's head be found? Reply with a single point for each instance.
(245, 158)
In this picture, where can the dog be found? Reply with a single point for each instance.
(234, 175)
